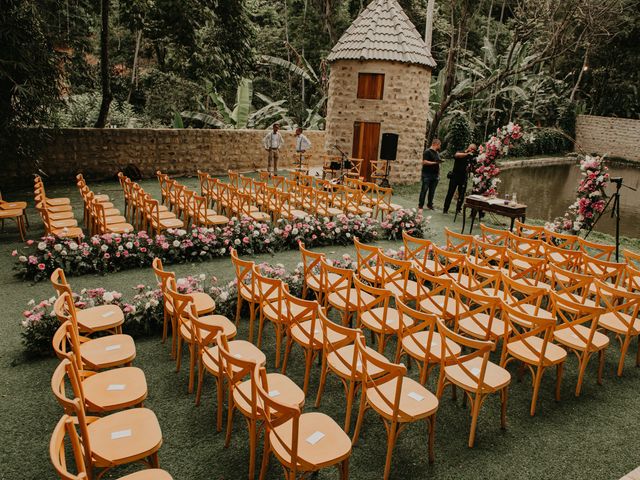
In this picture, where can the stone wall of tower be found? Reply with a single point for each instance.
(402, 110)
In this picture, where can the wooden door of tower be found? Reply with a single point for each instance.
(366, 140)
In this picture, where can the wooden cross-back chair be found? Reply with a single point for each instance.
(338, 291)
(398, 399)
(477, 314)
(528, 339)
(449, 264)
(525, 230)
(434, 295)
(458, 242)
(600, 251)
(396, 277)
(529, 299)
(419, 252)
(272, 307)
(369, 263)
(495, 236)
(473, 372)
(484, 279)
(374, 313)
(487, 254)
(525, 269)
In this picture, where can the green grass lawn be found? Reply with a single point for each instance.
(587, 437)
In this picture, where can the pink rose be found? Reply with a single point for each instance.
(41, 266)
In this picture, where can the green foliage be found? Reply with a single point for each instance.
(82, 111)
(458, 133)
(546, 141)
(167, 93)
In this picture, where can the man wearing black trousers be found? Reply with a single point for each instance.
(430, 174)
(458, 177)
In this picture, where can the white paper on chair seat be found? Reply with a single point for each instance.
(116, 387)
(107, 314)
(274, 393)
(315, 437)
(416, 396)
(237, 355)
(475, 371)
(120, 434)
(112, 347)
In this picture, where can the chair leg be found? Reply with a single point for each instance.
(260, 328)
(220, 394)
(361, 410)
(583, 360)
(230, 411)
(253, 440)
(179, 354)
(278, 343)
(350, 396)
(559, 370)
(200, 382)
(536, 389)
(391, 443)
(475, 411)
(600, 365)
(287, 352)
(192, 366)
(504, 395)
(432, 437)
(623, 354)
(252, 319)
(238, 308)
(344, 469)
(266, 452)
(308, 360)
(323, 379)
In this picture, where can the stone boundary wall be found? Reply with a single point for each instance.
(537, 162)
(616, 137)
(100, 153)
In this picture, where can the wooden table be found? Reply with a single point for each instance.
(478, 204)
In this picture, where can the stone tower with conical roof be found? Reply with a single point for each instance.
(379, 89)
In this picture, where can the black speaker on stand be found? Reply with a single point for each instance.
(388, 152)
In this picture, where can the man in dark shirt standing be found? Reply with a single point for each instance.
(459, 176)
(430, 174)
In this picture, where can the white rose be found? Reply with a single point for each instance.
(277, 231)
(22, 258)
(153, 302)
(294, 231)
(63, 252)
(181, 232)
(42, 246)
(129, 245)
(256, 233)
(108, 297)
(202, 277)
(73, 246)
(348, 235)
(104, 248)
(338, 230)
(224, 296)
(237, 241)
(57, 247)
(120, 248)
(147, 306)
(176, 243)
(223, 251)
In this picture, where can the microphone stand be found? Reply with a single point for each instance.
(342, 161)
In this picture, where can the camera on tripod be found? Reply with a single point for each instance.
(616, 180)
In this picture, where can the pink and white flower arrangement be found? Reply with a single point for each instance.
(485, 171)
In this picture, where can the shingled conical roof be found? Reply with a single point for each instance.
(382, 32)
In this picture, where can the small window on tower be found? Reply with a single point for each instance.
(371, 85)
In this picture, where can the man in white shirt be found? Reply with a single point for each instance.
(302, 145)
(272, 142)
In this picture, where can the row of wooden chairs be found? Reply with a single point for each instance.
(145, 212)
(100, 214)
(57, 213)
(106, 395)
(15, 211)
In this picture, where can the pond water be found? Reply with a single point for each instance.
(549, 190)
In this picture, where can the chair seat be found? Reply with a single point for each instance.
(61, 215)
(10, 213)
(13, 205)
(329, 211)
(612, 321)
(410, 290)
(495, 377)
(476, 326)
(214, 219)
(57, 208)
(371, 320)
(120, 228)
(576, 298)
(66, 223)
(239, 349)
(416, 344)
(569, 338)
(270, 310)
(314, 284)
(410, 409)
(170, 223)
(532, 310)
(110, 211)
(528, 350)
(109, 351)
(346, 353)
(115, 218)
(260, 216)
(55, 202)
(281, 387)
(148, 474)
(203, 303)
(434, 304)
(228, 327)
(338, 300)
(145, 438)
(334, 447)
(72, 232)
(300, 332)
(103, 317)
(100, 397)
(101, 197)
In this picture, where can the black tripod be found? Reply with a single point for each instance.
(615, 211)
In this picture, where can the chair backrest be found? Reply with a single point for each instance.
(565, 241)
(458, 242)
(417, 250)
(205, 334)
(480, 309)
(395, 272)
(594, 249)
(619, 302)
(572, 285)
(181, 304)
(65, 311)
(337, 281)
(473, 348)
(271, 291)
(448, 263)
(276, 413)
(234, 178)
(518, 294)
(526, 269)
(481, 277)
(163, 278)
(495, 236)
(246, 282)
(522, 327)
(525, 230)
(59, 282)
(632, 279)
(571, 314)
(632, 258)
(310, 265)
(235, 370)
(63, 432)
(67, 371)
(334, 337)
(299, 311)
(562, 257)
(386, 372)
(411, 321)
(368, 259)
(375, 302)
(603, 270)
(528, 246)
(489, 254)
(433, 292)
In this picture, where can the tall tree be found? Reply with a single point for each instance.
(105, 74)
